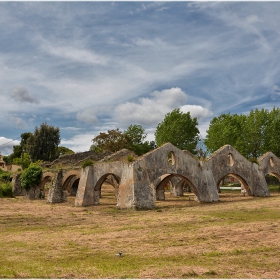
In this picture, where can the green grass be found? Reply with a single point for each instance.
(220, 240)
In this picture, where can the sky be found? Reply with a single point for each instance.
(87, 67)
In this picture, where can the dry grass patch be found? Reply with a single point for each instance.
(235, 238)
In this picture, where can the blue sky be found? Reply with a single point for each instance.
(87, 67)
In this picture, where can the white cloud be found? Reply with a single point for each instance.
(87, 116)
(253, 19)
(78, 143)
(6, 145)
(150, 111)
(74, 54)
(196, 111)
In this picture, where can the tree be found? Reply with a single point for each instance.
(253, 135)
(225, 130)
(113, 141)
(180, 129)
(136, 136)
(43, 143)
(31, 176)
(272, 132)
(60, 151)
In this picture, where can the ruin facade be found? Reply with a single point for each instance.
(140, 183)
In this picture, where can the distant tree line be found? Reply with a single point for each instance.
(252, 135)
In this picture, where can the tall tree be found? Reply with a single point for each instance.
(254, 133)
(272, 132)
(43, 143)
(136, 139)
(225, 129)
(114, 140)
(180, 129)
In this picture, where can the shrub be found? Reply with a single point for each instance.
(31, 176)
(6, 190)
(130, 158)
(86, 163)
(4, 176)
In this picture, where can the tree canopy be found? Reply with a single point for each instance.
(43, 143)
(115, 140)
(252, 135)
(180, 129)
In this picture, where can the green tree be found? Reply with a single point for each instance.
(136, 136)
(23, 161)
(225, 130)
(31, 176)
(43, 143)
(60, 151)
(114, 140)
(180, 129)
(253, 136)
(272, 132)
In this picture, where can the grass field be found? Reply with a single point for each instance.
(237, 237)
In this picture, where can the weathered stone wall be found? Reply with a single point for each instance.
(140, 183)
(228, 161)
(56, 193)
(18, 190)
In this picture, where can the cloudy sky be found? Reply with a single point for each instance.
(87, 67)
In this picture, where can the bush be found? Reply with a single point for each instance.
(31, 176)
(6, 190)
(86, 163)
(4, 176)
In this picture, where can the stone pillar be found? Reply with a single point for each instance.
(85, 192)
(97, 195)
(33, 193)
(56, 193)
(160, 194)
(18, 190)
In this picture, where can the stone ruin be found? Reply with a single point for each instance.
(139, 183)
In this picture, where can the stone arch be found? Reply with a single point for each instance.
(163, 180)
(243, 182)
(47, 177)
(70, 182)
(110, 178)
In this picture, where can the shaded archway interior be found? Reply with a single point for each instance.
(71, 185)
(180, 183)
(241, 180)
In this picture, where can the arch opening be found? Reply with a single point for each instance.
(175, 188)
(106, 189)
(45, 185)
(71, 184)
(273, 182)
(233, 186)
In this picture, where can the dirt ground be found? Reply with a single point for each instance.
(237, 237)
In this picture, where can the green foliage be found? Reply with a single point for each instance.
(25, 163)
(6, 189)
(87, 162)
(60, 151)
(113, 141)
(4, 176)
(136, 136)
(180, 129)
(252, 135)
(130, 158)
(96, 149)
(31, 176)
(43, 143)
(225, 129)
